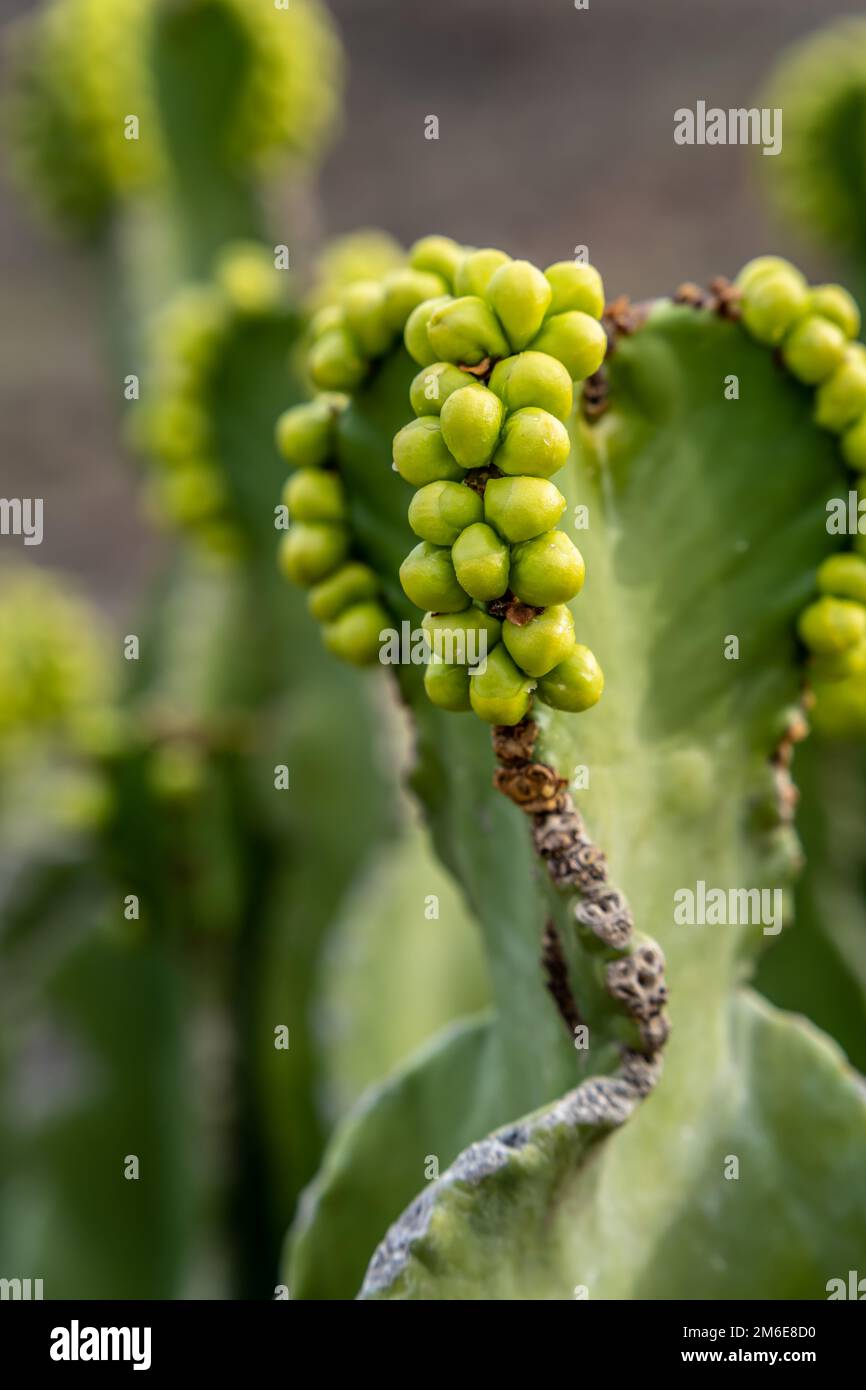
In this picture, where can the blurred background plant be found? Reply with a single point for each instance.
(146, 1027)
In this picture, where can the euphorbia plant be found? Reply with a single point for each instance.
(702, 465)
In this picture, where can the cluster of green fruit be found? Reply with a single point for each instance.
(813, 328)
(316, 550)
(499, 350)
(83, 66)
(173, 423)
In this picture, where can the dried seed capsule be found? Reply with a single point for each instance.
(364, 307)
(759, 266)
(813, 349)
(305, 434)
(415, 333)
(346, 586)
(405, 290)
(520, 508)
(831, 625)
(334, 362)
(772, 302)
(842, 397)
(839, 665)
(438, 254)
(434, 384)
(461, 639)
(836, 304)
(575, 286)
(543, 642)
(521, 296)
(843, 576)
(428, 579)
(440, 511)
(447, 686)
(853, 445)
(310, 551)
(476, 270)
(533, 379)
(471, 420)
(500, 694)
(575, 684)
(421, 455)
(548, 569)
(355, 635)
(576, 340)
(311, 495)
(465, 330)
(481, 562)
(533, 442)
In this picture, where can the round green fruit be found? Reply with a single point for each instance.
(404, 290)
(305, 434)
(441, 510)
(853, 445)
(465, 331)
(543, 642)
(578, 341)
(355, 635)
(364, 308)
(349, 584)
(312, 495)
(421, 455)
(481, 562)
(813, 349)
(437, 254)
(415, 334)
(520, 294)
(575, 684)
(447, 686)
(836, 304)
(471, 421)
(477, 269)
(500, 693)
(461, 639)
(533, 442)
(575, 286)
(753, 270)
(546, 570)
(334, 362)
(310, 551)
(831, 625)
(429, 581)
(843, 576)
(434, 384)
(842, 397)
(533, 379)
(772, 303)
(520, 508)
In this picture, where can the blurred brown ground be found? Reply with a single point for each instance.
(556, 129)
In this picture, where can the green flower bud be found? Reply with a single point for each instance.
(576, 340)
(466, 331)
(836, 304)
(305, 434)
(548, 569)
(534, 442)
(415, 333)
(500, 694)
(481, 562)
(533, 379)
(477, 269)
(813, 349)
(753, 270)
(575, 286)
(310, 551)
(447, 686)
(311, 495)
(575, 684)
(520, 508)
(434, 384)
(853, 445)
(521, 296)
(428, 579)
(842, 397)
(839, 665)
(364, 307)
(462, 639)
(347, 585)
(421, 455)
(840, 708)
(772, 302)
(438, 254)
(471, 420)
(440, 511)
(355, 635)
(831, 625)
(543, 642)
(334, 362)
(843, 576)
(405, 290)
